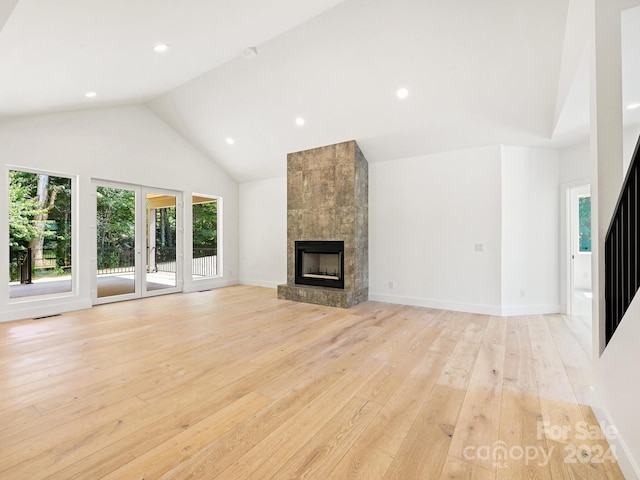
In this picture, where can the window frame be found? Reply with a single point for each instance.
(75, 234)
(219, 236)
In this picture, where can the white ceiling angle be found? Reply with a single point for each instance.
(475, 73)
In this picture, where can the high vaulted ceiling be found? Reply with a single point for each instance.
(477, 72)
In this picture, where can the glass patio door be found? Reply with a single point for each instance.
(138, 249)
(161, 228)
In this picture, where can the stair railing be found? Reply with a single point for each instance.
(622, 258)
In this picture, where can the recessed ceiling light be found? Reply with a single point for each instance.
(300, 121)
(230, 141)
(402, 93)
(161, 47)
(633, 106)
(90, 94)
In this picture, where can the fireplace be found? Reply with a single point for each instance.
(319, 263)
(327, 226)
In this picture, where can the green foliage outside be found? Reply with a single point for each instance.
(205, 225)
(584, 224)
(115, 227)
(23, 208)
(40, 219)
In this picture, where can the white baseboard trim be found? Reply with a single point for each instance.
(208, 284)
(495, 310)
(260, 283)
(43, 308)
(626, 462)
(530, 310)
(425, 302)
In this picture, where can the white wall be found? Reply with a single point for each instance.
(125, 144)
(618, 388)
(617, 366)
(574, 159)
(629, 143)
(426, 215)
(263, 232)
(574, 164)
(575, 170)
(530, 243)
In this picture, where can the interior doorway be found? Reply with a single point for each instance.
(580, 291)
(138, 249)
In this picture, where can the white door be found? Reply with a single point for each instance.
(138, 242)
(580, 294)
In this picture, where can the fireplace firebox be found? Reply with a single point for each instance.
(319, 263)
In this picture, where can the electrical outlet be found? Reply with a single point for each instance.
(479, 247)
(392, 285)
(522, 294)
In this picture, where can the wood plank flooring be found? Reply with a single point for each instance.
(236, 384)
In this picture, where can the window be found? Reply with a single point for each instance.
(40, 234)
(584, 224)
(205, 236)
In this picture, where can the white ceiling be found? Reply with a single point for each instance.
(52, 52)
(478, 72)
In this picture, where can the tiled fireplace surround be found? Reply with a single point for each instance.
(327, 199)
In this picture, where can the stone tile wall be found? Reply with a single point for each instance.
(327, 199)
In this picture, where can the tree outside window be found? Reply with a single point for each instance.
(205, 236)
(40, 227)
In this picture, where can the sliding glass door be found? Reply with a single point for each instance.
(138, 249)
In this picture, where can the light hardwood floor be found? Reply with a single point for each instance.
(236, 384)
